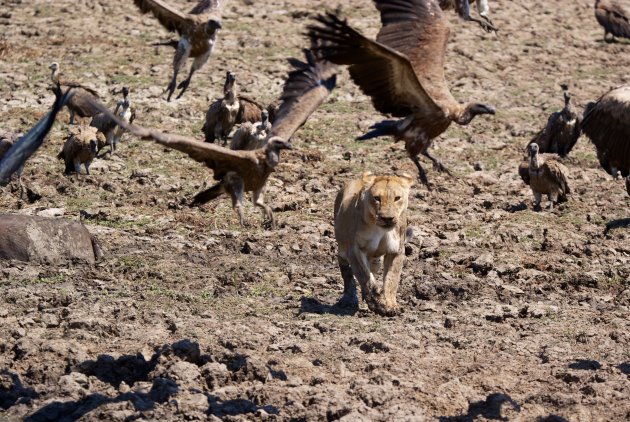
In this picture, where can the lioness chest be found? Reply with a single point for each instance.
(376, 241)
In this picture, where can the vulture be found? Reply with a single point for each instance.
(197, 29)
(545, 177)
(232, 109)
(463, 10)
(628, 185)
(80, 147)
(7, 140)
(402, 71)
(607, 123)
(13, 160)
(238, 171)
(562, 130)
(221, 115)
(110, 130)
(79, 103)
(614, 18)
(251, 136)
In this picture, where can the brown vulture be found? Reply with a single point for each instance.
(614, 18)
(308, 85)
(545, 177)
(78, 103)
(607, 123)
(402, 71)
(252, 135)
(197, 29)
(463, 10)
(112, 132)
(562, 130)
(79, 148)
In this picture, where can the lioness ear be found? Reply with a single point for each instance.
(368, 178)
(406, 178)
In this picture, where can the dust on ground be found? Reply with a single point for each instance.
(190, 316)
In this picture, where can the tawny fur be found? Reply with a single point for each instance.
(370, 219)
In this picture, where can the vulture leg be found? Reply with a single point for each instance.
(235, 187)
(71, 122)
(258, 199)
(421, 173)
(436, 162)
(181, 55)
(87, 167)
(537, 199)
(349, 299)
(553, 198)
(197, 64)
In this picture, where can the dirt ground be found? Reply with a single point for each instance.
(190, 316)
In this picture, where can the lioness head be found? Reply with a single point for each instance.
(386, 198)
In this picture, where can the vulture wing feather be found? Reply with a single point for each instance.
(170, 18)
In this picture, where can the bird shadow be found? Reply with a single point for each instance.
(551, 418)
(236, 407)
(617, 224)
(311, 305)
(16, 392)
(585, 364)
(490, 408)
(624, 367)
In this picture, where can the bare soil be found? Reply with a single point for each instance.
(190, 316)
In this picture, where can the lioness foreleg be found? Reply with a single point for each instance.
(370, 290)
(349, 298)
(392, 268)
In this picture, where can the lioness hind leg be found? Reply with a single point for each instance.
(349, 298)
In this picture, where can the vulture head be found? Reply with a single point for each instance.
(230, 79)
(54, 67)
(212, 26)
(533, 155)
(125, 91)
(264, 118)
(273, 148)
(472, 110)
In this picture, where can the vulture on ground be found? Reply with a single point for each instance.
(251, 136)
(562, 130)
(112, 132)
(79, 148)
(198, 30)
(614, 18)
(14, 159)
(308, 85)
(402, 71)
(78, 103)
(607, 123)
(545, 177)
(463, 10)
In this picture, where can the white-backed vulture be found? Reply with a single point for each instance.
(545, 177)
(79, 148)
(402, 71)
(78, 103)
(14, 159)
(110, 130)
(562, 130)
(198, 30)
(308, 85)
(614, 18)
(250, 136)
(462, 7)
(221, 115)
(607, 123)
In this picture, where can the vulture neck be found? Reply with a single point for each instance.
(230, 95)
(534, 162)
(54, 76)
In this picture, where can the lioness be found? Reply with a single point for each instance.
(370, 223)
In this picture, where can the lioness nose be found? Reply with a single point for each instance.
(387, 220)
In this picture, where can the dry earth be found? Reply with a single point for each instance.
(190, 316)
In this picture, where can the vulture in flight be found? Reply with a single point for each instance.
(198, 30)
(545, 177)
(614, 18)
(562, 130)
(14, 158)
(307, 86)
(463, 10)
(607, 123)
(402, 71)
(79, 103)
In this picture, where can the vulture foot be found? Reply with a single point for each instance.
(170, 89)
(183, 86)
(421, 173)
(486, 24)
(437, 164)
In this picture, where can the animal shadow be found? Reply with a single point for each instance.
(490, 409)
(617, 224)
(16, 392)
(624, 367)
(585, 364)
(310, 305)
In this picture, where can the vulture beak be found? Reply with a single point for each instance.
(215, 24)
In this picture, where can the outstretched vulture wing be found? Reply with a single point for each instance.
(171, 18)
(206, 6)
(607, 124)
(28, 144)
(523, 171)
(308, 85)
(403, 70)
(215, 157)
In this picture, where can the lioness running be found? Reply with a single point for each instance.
(370, 223)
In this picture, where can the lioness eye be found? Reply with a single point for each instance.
(397, 198)
(377, 198)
